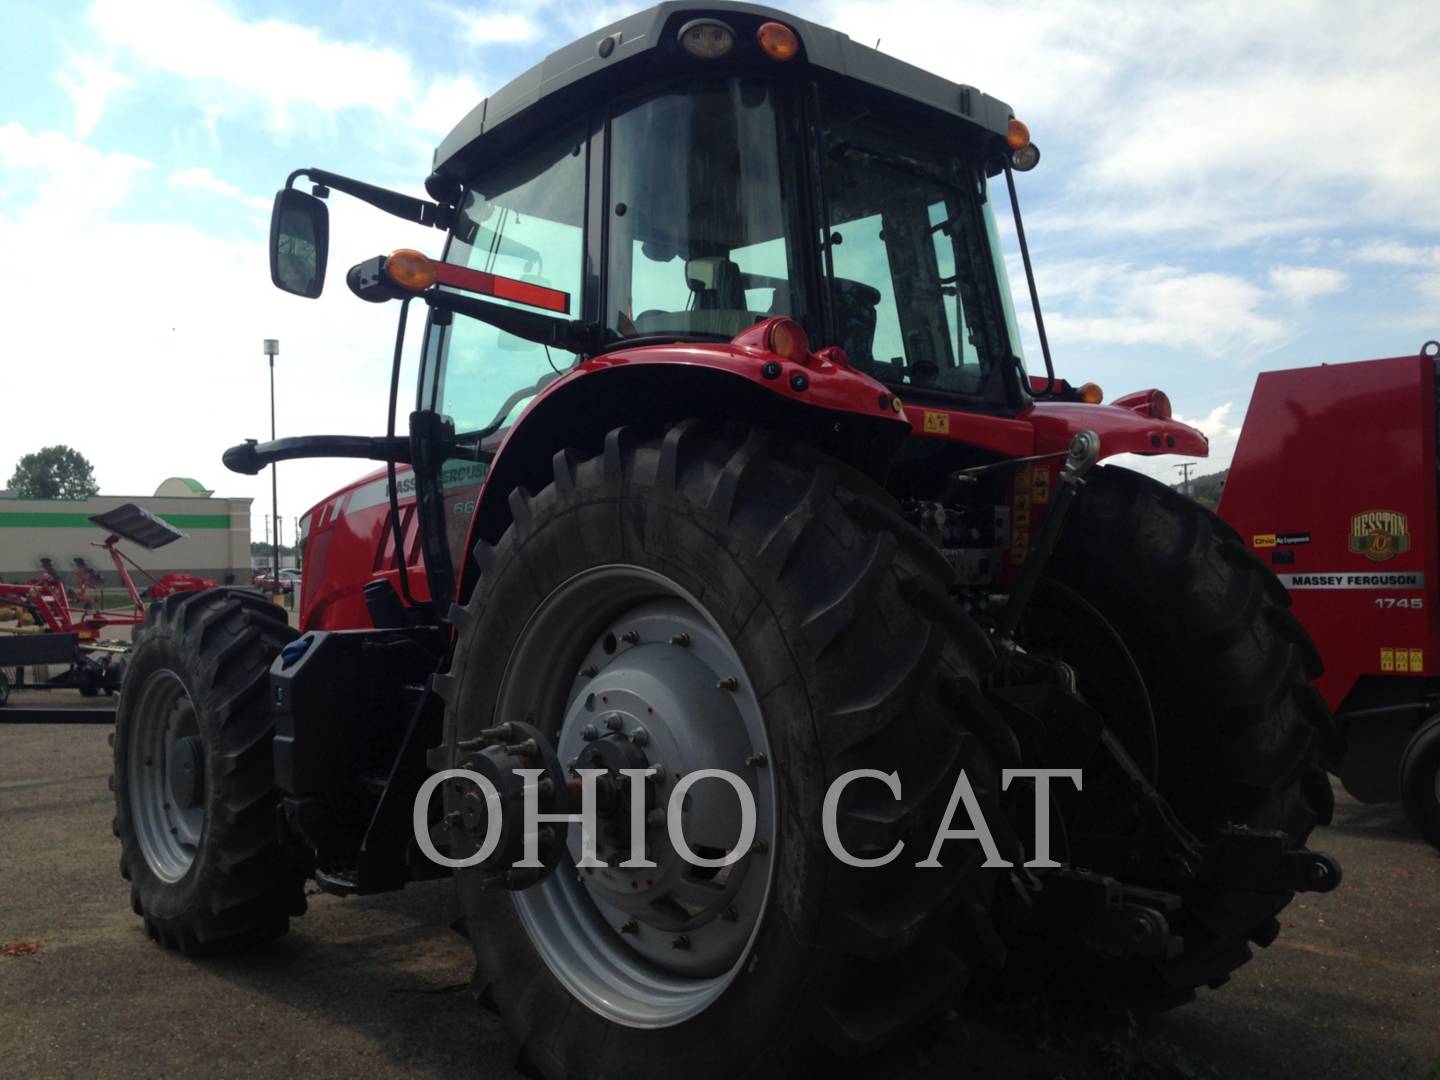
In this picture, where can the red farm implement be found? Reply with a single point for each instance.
(69, 624)
(1353, 538)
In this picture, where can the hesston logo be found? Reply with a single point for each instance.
(1379, 535)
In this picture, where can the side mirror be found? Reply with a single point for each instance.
(299, 242)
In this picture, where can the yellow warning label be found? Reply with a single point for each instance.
(1410, 661)
(1040, 487)
(1264, 540)
(1020, 515)
(937, 423)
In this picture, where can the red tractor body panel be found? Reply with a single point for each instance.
(1334, 486)
(348, 535)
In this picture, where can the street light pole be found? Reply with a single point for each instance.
(272, 349)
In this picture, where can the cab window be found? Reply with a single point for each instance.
(525, 221)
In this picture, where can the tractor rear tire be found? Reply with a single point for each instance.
(1420, 781)
(836, 613)
(194, 781)
(1242, 734)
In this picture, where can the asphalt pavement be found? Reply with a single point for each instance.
(377, 986)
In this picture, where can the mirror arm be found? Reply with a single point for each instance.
(392, 202)
(569, 334)
(251, 456)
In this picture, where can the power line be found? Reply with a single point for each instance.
(1185, 468)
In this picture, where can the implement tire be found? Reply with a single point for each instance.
(1242, 734)
(1420, 781)
(834, 615)
(194, 779)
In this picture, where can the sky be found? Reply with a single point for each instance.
(1226, 188)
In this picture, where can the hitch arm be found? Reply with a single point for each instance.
(251, 456)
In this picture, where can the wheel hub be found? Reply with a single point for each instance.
(657, 686)
(166, 762)
(187, 772)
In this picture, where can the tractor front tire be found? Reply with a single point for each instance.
(1242, 736)
(194, 784)
(695, 580)
(1420, 781)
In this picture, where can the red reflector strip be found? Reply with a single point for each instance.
(504, 288)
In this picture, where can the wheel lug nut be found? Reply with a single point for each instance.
(756, 760)
(630, 637)
(588, 733)
(630, 926)
(682, 639)
(729, 682)
(659, 775)
(640, 736)
(613, 722)
(681, 942)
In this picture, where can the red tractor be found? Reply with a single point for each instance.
(1353, 538)
(724, 463)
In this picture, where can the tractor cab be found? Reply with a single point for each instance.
(655, 193)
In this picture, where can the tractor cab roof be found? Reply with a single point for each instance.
(644, 49)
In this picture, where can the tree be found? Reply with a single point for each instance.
(56, 472)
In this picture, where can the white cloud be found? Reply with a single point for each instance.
(1301, 283)
(75, 180)
(173, 341)
(280, 66)
(492, 27)
(446, 103)
(1102, 302)
(200, 178)
(90, 84)
(1221, 121)
(1399, 254)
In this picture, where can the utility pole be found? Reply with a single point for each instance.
(272, 349)
(1185, 468)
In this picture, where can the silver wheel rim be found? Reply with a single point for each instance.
(647, 948)
(167, 776)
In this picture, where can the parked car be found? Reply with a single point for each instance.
(265, 581)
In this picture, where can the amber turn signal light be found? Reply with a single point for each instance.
(1017, 136)
(777, 41)
(787, 339)
(410, 270)
(1091, 394)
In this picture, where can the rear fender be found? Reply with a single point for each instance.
(603, 394)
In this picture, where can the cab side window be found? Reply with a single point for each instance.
(526, 221)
